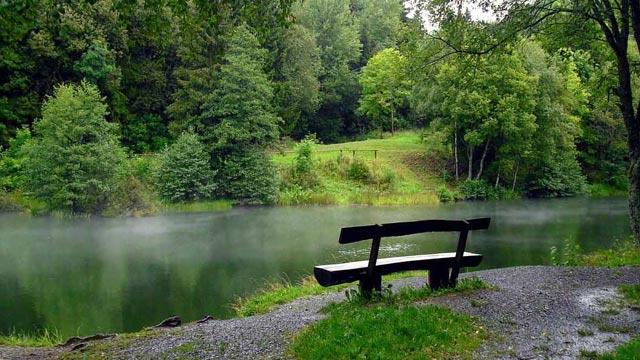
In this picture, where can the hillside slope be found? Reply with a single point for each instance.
(400, 172)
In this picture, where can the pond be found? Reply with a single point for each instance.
(87, 275)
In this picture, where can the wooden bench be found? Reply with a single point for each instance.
(443, 267)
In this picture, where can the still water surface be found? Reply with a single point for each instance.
(83, 276)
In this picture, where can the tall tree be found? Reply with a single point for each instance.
(336, 33)
(298, 92)
(385, 87)
(239, 111)
(380, 23)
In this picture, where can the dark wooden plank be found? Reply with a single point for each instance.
(366, 232)
(423, 226)
(358, 233)
(334, 274)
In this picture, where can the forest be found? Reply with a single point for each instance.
(115, 107)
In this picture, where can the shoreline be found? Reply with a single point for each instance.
(525, 300)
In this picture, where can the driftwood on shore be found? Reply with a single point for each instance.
(74, 340)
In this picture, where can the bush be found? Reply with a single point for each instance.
(246, 175)
(185, 174)
(444, 194)
(304, 174)
(358, 171)
(74, 161)
(477, 190)
(559, 177)
(131, 198)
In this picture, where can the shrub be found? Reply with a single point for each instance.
(74, 161)
(146, 168)
(185, 174)
(559, 177)
(131, 198)
(386, 180)
(304, 174)
(246, 175)
(477, 190)
(358, 171)
(444, 194)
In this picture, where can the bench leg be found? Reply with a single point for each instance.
(367, 285)
(439, 277)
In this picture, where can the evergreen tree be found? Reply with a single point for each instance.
(74, 161)
(239, 112)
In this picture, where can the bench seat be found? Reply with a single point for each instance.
(334, 274)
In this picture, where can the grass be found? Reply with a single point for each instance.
(44, 338)
(623, 253)
(104, 350)
(604, 190)
(392, 327)
(282, 292)
(403, 155)
(628, 351)
(197, 206)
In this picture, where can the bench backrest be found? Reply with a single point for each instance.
(358, 233)
(377, 231)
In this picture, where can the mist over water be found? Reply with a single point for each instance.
(83, 276)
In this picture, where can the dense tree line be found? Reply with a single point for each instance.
(213, 86)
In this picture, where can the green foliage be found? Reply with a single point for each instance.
(358, 171)
(146, 133)
(444, 194)
(74, 161)
(569, 255)
(623, 253)
(246, 176)
(239, 112)
(96, 63)
(560, 177)
(385, 87)
(299, 93)
(477, 190)
(11, 161)
(304, 172)
(184, 172)
(380, 23)
(131, 198)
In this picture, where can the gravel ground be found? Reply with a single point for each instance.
(534, 312)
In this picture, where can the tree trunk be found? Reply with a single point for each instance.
(497, 180)
(455, 147)
(392, 122)
(484, 155)
(470, 157)
(633, 138)
(515, 178)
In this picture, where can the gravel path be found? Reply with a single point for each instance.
(534, 312)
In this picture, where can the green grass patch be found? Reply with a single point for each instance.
(401, 172)
(624, 253)
(392, 327)
(44, 338)
(282, 292)
(631, 293)
(197, 206)
(628, 351)
(278, 293)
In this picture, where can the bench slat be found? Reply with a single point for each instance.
(359, 233)
(334, 274)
